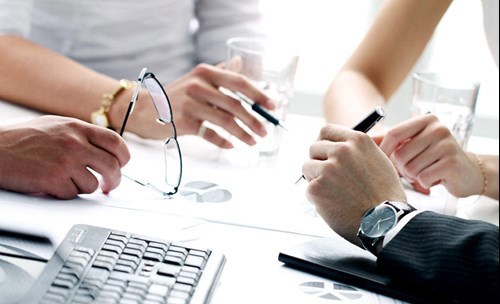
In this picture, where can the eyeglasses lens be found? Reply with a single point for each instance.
(159, 99)
(173, 168)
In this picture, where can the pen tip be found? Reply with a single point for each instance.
(282, 125)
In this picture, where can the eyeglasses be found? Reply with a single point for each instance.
(171, 148)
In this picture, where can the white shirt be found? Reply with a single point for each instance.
(490, 20)
(120, 37)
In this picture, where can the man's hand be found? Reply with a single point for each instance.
(52, 155)
(348, 175)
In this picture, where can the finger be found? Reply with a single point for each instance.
(109, 184)
(211, 136)
(110, 142)
(402, 132)
(335, 133)
(85, 181)
(221, 65)
(65, 189)
(421, 189)
(312, 169)
(432, 175)
(235, 64)
(378, 139)
(107, 166)
(322, 149)
(236, 82)
(224, 120)
(420, 162)
(230, 105)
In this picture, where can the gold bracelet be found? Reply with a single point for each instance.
(101, 116)
(483, 172)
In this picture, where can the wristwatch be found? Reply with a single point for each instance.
(378, 221)
(101, 116)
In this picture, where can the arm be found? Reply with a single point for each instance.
(59, 85)
(51, 155)
(348, 174)
(420, 255)
(381, 62)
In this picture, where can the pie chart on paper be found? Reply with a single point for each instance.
(331, 291)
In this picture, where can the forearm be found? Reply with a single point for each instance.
(350, 97)
(392, 46)
(38, 78)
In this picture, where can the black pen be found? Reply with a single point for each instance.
(365, 125)
(260, 110)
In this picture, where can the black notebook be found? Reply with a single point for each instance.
(341, 261)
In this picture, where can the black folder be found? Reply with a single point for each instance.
(341, 261)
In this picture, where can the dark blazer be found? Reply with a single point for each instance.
(456, 257)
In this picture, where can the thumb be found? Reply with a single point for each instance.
(378, 139)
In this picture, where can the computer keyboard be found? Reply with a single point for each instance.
(100, 265)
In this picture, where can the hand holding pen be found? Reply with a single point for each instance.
(260, 110)
(364, 126)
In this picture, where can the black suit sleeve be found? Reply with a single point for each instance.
(456, 257)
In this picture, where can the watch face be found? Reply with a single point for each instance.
(378, 221)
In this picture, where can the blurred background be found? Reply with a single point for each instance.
(325, 32)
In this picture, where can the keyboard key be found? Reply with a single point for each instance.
(195, 261)
(158, 290)
(153, 256)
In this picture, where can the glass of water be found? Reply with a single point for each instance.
(271, 67)
(451, 99)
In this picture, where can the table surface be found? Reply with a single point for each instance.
(249, 210)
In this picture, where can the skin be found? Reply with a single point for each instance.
(52, 155)
(424, 151)
(77, 92)
(401, 30)
(372, 74)
(348, 174)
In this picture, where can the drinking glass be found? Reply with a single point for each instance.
(272, 69)
(451, 99)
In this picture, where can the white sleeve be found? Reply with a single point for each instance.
(490, 20)
(15, 17)
(219, 20)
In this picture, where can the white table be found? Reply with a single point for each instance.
(266, 212)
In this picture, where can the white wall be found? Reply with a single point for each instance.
(326, 32)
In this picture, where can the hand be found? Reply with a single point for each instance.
(52, 155)
(426, 153)
(348, 175)
(196, 98)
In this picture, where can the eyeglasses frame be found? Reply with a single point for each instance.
(140, 80)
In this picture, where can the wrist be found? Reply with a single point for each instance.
(378, 221)
(119, 109)
(102, 115)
